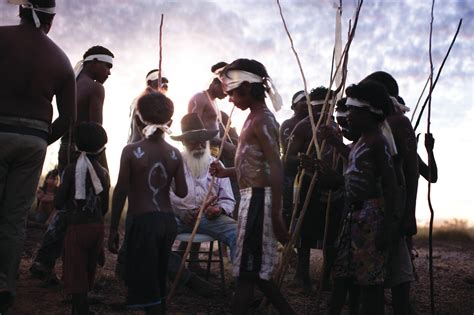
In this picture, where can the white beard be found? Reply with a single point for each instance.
(198, 166)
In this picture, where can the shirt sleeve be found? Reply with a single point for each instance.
(225, 197)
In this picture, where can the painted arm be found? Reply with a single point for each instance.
(64, 188)
(271, 153)
(296, 145)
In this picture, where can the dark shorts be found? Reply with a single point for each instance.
(149, 242)
(82, 245)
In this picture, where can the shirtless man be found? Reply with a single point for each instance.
(204, 104)
(151, 86)
(147, 168)
(312, 231)
(25, 124)
(300, 109)
(91, 73)
(260, 175)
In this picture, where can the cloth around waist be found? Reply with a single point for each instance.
(24, 126)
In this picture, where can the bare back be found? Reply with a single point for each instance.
(147, 169)
(34, 69)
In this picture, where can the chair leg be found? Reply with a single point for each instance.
(209, 259)
(221, 265)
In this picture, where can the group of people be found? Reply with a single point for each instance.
(361, 210)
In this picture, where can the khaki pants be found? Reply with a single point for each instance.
(21, 162)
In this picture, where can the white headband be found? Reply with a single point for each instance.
(317, 102)
(399, 105)
(151, 127)
(354, 102)
(234, 78)
(298, 98)
(217, 72)
(341, 114)
(153, 76)
(28, 5)
(80, 65)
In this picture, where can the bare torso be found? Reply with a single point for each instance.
(206, 108)
(34, 69)
(251, 166)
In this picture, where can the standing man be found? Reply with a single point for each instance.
(204, 104)
(260, 175)
(152, 85)
(91, 73)
(27, 86)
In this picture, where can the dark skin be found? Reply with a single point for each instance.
(139, 163)
(256, 137)
(29, 82)
(425, 169)
(300, 112)
(201, 104)
(90, 91)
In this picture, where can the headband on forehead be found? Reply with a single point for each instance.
(399, 106)
(153, 76)
(234, 78)
(341, 114)
(298, 98)
(28, 5)
(354, 102)
(317, 102)
(80, 65)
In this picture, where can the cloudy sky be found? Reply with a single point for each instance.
(391, 36)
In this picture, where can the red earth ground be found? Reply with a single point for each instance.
(453, 276)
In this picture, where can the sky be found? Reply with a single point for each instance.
(392, 35)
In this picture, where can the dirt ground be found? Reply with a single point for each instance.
(453, 276)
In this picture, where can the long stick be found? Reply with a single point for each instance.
(289, 247)
(419, 99)
(198, 219)
(430, 236)
(437, 76)
(161, 51)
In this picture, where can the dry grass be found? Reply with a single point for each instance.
(450, 230)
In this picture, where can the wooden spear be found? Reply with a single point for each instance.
(161, 52)
(204, 205)
(430, 236)
(438, 75)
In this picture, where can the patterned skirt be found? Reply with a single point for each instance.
(357, 255)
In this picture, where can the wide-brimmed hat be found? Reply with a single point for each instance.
(193, 129)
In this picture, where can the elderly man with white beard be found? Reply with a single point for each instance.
(217, 218)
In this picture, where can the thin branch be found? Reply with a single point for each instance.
(438, 75)
(161, 51)
(428, 124)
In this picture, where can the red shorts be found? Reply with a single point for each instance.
(82, 245)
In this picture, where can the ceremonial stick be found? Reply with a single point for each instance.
(430, 235)
(289, 247)
(161, 51)
(419, 99)
(438, 74)
(204, 205)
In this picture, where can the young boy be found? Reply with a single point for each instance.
(370, 192)
(260, 176)
(84, 192)
(147, 168)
